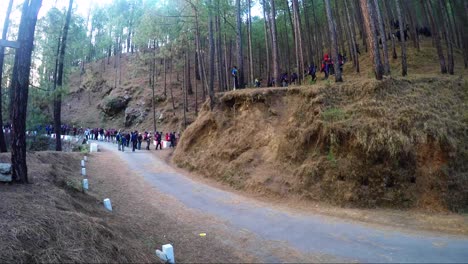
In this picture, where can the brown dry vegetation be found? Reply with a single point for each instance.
(396, 143)
(49, 220)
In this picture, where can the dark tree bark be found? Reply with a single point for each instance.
(240, 52)
(298, 34)
(309, 44)
(212, 55)
(368, 14)
(251, 65)
(274, 43)
(383, 37)
(448, 37)
(435, 35)
(58, 95)
(6, 24)
(404, 66)
(267, 48)
(20, 85)
(352, 32)
(332, 29)
(390, 18)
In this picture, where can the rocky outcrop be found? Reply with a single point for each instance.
(134, 115)
(112, 106)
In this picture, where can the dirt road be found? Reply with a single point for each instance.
(264, 233)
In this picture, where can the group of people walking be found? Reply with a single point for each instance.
(124, 139)
(285, 79)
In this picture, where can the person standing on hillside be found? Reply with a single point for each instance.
(234, 74)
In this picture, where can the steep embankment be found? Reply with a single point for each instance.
(395, 143)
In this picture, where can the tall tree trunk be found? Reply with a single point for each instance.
(267, 48)
(404, 66)
(383, 37)
(435, 34)
(310, 44)
(299, 53)
(220, 69)
(212, 55)
(251, 66)
(409, 11)
(350, 22)
(448, 37)
(274, 43)
(58, 95)
(153, 101)
(196, 90)
(6, 24)
(240, 52)
(389, 20)
(188, 78)
(226, 65)
(319, 43)
(165, 77)
(332, 28)
(20, 86)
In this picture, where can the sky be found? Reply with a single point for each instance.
(81, 7)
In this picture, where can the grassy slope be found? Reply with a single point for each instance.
(397, 143)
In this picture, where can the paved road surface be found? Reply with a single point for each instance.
(310, 235)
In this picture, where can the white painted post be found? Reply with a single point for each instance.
(82, 163)
(161, 255)
(169, 251)
(83, 171)
(85, 158)
(85, 185)
(107, 204)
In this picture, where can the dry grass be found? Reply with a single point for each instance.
(396, 143)
(51, 221)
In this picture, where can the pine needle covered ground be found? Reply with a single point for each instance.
(396, 143)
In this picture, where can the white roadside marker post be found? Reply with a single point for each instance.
(83, 163)
(83, 171)
(167, 254)
(107, 204)
(85, 158)
(85, 185)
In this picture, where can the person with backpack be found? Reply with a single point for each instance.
(234, 74)
(313, 72)
(148, 140)
(158, 137)
(326, 65)
(119, 140)
(140, 139)
(134, 139)
(257, 83)
(127, 139)
(124, 141)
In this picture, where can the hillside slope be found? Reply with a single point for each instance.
(396, 143)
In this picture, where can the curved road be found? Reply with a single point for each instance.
(333, 239)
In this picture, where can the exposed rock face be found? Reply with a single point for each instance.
(134, 115)
(111, 106)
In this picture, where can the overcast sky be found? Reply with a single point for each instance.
(81, 6)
